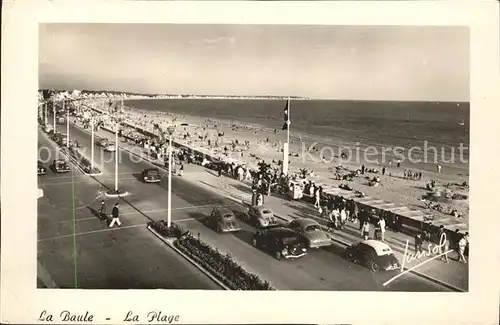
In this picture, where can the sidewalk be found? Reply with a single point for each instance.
(453, 275)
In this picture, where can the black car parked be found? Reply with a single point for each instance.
(374, 254)
(281, 242)
(151, 175)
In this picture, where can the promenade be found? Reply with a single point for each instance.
(453, 275)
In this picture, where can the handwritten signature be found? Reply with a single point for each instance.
(436, 250)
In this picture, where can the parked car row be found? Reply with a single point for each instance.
(57, 166)
(294, 239)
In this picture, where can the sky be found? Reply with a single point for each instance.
(407, 63)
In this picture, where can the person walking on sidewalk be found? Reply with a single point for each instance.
(317, 197)
(181, 170)
(444, 250)
(461, 249)
(115, 215)
(381, 227)
(331, 221)
(418, 243)
(365, 230)
(343, 218)
(103, 211)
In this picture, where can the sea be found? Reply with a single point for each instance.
(370, 123)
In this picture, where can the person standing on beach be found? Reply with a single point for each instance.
(383, 170)
(439, 168)
(115, 215)
(399, 163)
(363, 170)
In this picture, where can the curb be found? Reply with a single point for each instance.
(190, 260)
(117, 195)
(439, 282)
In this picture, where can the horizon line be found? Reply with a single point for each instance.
(254, 96)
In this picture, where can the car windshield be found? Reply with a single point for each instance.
(152, 172)
(265, 211)
(384, 251)
(289, 240)
(228, 216)
(313, 228)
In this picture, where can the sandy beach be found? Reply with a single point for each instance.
(253, 142)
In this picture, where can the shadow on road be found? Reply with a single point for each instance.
(95, 213)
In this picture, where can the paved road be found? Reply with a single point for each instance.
(323, 269)
(122, 258)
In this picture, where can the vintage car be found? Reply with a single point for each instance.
(374, 254)
(110, 147)
(48, 128)
(311, 231)
(222, 220)
(102, 142)
(41, 168)
(151, 175)
(60, 166)
(260, 216)
(56, 137)
(281, 242)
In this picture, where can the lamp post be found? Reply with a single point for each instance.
(67, 124)
(91, 116)
(170, 131)
(54, 113)
(117, 119)
(45, 113)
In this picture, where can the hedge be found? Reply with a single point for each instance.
(220, 265)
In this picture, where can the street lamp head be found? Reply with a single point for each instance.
(170, 129)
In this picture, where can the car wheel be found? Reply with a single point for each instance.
(349, 257)
(254, 242)
(374, 266)
(278, 255)
(219, 229)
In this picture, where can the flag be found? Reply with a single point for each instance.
(286, 115)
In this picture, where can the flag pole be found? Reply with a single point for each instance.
(287, 143)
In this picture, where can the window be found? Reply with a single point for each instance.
(313, 228)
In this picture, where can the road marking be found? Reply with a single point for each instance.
(112, 229)
(88, 181)
(92, 232)
(142, 212)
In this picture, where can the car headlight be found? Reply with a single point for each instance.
(284, 251)
(303, 249)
